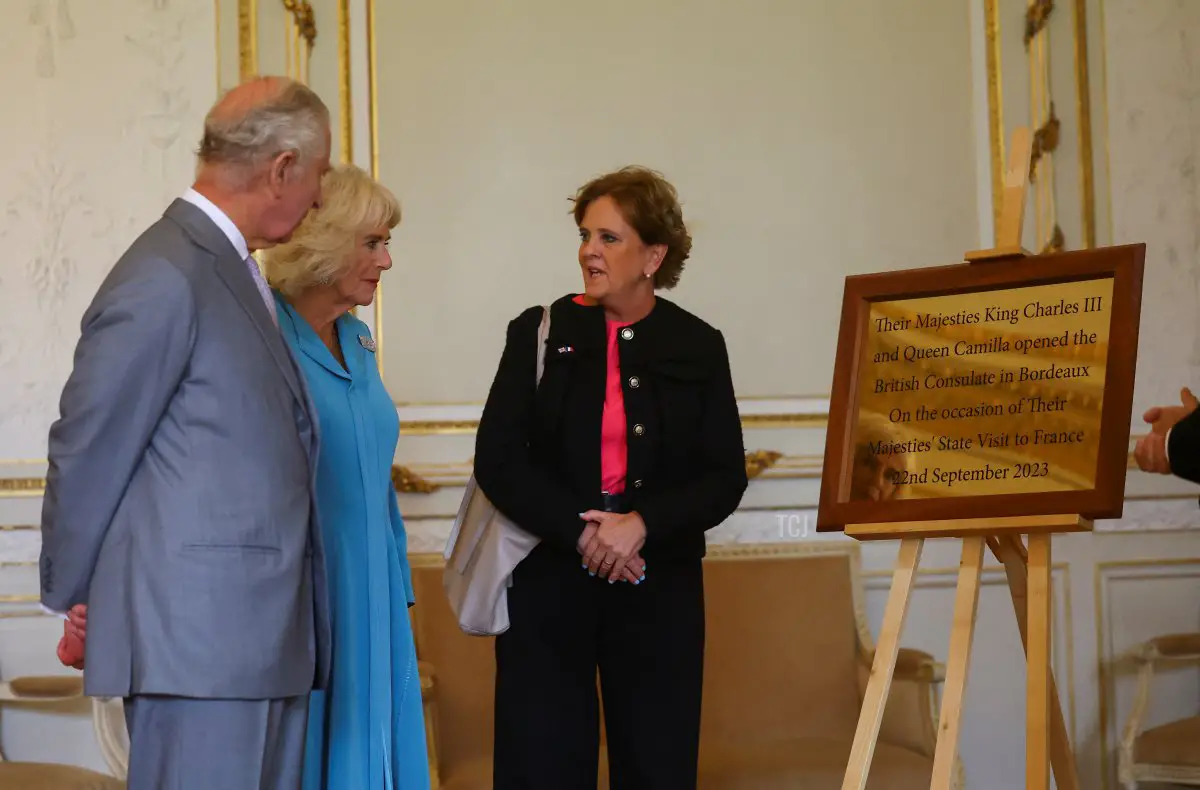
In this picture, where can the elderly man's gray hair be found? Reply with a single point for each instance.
(285, 115)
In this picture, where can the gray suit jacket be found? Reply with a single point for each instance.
(179, 499)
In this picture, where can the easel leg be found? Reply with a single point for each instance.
(966, 605)
(1011, 551)
(1037, 702)
(883, 666)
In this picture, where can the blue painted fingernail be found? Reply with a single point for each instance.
(643, 578)
(612, 581)
(583, 565)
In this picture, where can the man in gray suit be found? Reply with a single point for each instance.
(179, 499)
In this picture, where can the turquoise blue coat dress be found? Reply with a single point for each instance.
(367, 730)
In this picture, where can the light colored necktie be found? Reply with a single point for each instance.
(263, 289)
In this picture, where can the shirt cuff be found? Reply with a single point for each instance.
(54, 612)
(1167, 444)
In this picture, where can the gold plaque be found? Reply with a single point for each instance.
(988, 392)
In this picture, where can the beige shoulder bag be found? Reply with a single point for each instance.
(485, 547)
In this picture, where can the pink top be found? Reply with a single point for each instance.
(612, 427)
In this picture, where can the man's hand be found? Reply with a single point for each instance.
(74, 638)
(1151, 450)
(618, 538)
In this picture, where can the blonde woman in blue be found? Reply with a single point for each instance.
(367, 729)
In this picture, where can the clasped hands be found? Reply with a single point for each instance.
(1151, 450)
(610, 545)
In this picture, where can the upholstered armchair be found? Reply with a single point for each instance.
(788, 653)
(109, 722)
(1167, 753)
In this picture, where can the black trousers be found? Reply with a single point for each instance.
(647, 641)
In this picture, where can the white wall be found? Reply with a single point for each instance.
(104, 139)
(807, 140)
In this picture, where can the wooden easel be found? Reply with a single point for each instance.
(1028, 574)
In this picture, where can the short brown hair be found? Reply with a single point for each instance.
(650, 204)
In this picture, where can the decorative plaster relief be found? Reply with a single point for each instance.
(110, 96)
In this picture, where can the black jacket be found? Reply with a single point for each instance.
(1182, 444)
(537, 453)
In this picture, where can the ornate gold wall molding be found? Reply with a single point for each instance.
(300, 38)
(1036, 33)
(1036, 17)
(373, 121)
(22, 486)
(408, 482)
(345, 96)
(995, 90)
(759, 461)
(302, 14)
(247, 39)
(1045, 141)
(1083, 110)
(1041, 116)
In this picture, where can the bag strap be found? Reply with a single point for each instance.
(543, 333)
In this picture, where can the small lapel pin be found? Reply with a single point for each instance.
(366, 343)
(565, 349)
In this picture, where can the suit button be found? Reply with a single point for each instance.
(634, 382)
(637, 483)
(627, 333)
(639, 429)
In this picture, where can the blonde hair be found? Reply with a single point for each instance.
(320, 250)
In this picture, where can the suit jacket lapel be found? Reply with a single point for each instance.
(232, 270)
(237, 278)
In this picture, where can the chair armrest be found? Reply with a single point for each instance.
(918, 666)
(910, 715)
(428, 702)
(1177, 647)
(42, 689)
(1183, 647)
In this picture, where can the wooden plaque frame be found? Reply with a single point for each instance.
(1123, 264)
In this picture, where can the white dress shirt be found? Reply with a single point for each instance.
(238, 241)
(220, 219)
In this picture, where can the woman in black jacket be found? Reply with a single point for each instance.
(630, 449)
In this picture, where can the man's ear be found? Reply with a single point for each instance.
(282, 169)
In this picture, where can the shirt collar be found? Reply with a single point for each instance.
(306, 339)
(220, 219)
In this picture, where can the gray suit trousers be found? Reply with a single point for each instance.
(179, 743)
